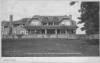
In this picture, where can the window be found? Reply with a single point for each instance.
(45, 19)
(55, 19)
(35, 22)
(50, 23)
(5, 26)
(66, 22)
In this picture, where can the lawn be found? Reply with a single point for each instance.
(48, 47)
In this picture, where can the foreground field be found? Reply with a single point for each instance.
(48, 47)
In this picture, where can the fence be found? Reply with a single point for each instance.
(68, 36)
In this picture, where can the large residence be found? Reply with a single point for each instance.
(43, 25)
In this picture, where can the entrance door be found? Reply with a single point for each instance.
(50, 31)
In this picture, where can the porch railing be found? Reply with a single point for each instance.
(66, 36)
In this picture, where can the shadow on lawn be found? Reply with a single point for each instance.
(93, 42)
(21, 48)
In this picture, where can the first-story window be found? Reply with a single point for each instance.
(44, 23)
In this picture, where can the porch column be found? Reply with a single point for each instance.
(74, 31)
(45, 31)
(29, 32)
(53, 23)
(47, 24)
(35, 31)
(59, 31)
(65, 31)
(55, 31)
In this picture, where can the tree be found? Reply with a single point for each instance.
(90, 17)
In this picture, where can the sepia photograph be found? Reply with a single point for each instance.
(49, 28)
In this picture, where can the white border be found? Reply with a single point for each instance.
(49, 59)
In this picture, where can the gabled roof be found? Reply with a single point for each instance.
(22, 21)
(40, 18)
(5, 23)
(51, 18)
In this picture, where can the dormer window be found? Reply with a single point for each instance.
(50, 23)
(35, 23)
(66, 22)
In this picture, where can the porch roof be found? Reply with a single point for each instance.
(51, 27)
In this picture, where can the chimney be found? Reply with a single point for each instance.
(11, 18)
(11, 24)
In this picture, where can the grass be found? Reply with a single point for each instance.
(47, 47)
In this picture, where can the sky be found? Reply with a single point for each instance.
(28, 8)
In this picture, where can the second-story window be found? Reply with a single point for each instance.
(55, 19)
(45, 19)
(5, 26)
(50, 23)
(35, 23)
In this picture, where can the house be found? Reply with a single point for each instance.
(41, 25)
